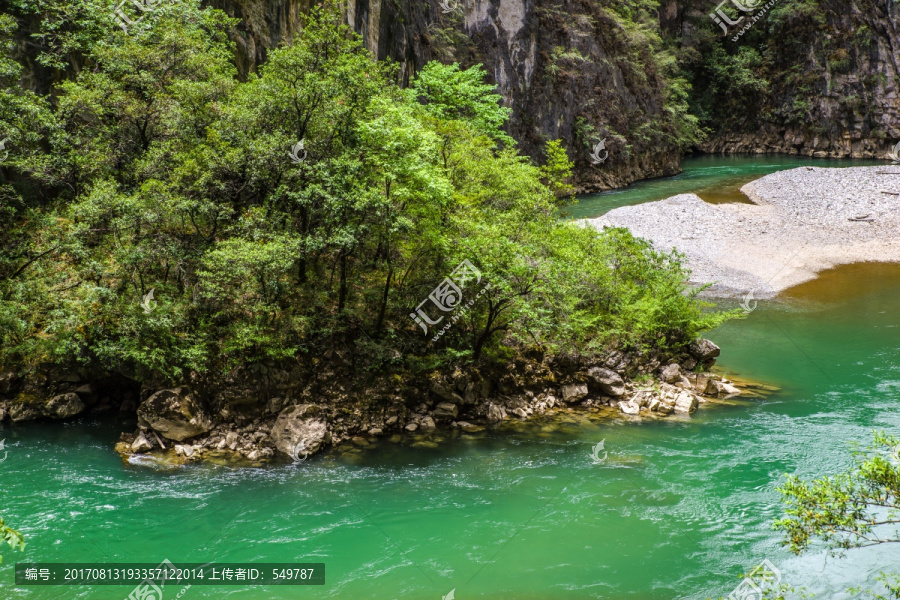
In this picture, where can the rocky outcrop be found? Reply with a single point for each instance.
(29, 408)
(298, 431)
(606, 381)
(568, 70)
(308, 411)
(820, 80)
(175, 414)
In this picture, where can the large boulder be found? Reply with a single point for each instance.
(446, 410)
(63, 406)
(574, 392)
(629, 408)
(299, 430)
(670, 373)
(495, 413)
(608, 381)
(175, 414)
(704, 351)
(686, 403)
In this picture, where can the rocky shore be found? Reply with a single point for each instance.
(261, 414)
(800, 222)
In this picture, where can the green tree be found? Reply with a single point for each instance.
(857, 508)
(12, 537)
(451, 93)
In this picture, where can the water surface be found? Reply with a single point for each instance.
(715, 178)
(681, 508)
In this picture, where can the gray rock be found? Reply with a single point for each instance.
(176, 414)
(520, 412)
(427, 423)
(608, 381)
(729, 390)
(686, 402)
(392, 420)
(704, 351)
(446, 410)
(447, 394)
(62, 406)
(495, 413)
(670, 373)
(665, 408)
(412, 427)
(141, 444)
(574, 392)
(629, 408)
(299, 429)
(375, 431)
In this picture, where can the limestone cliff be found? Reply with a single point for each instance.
(572, 69)
(810, 77)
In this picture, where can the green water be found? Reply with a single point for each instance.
(679, 510)
(716, 179)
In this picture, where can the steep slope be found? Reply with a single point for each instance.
(810, 77)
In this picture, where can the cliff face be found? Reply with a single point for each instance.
(574, 70)
(813, 77)
(810, 77)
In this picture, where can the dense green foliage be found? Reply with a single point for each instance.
(10, 536)
(856, 508)
(312, 206)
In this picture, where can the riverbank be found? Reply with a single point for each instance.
(799, 222)
(272, 413)
(174, 426)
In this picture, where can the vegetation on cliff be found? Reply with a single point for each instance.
(314, 205)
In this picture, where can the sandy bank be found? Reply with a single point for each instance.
(801, 221)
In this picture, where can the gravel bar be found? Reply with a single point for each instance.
(800, 222)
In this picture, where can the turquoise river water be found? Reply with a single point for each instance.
(681, 508)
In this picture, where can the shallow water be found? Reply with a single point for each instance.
(680, 509)
(716, 179)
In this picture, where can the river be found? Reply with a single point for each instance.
(680, 509)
